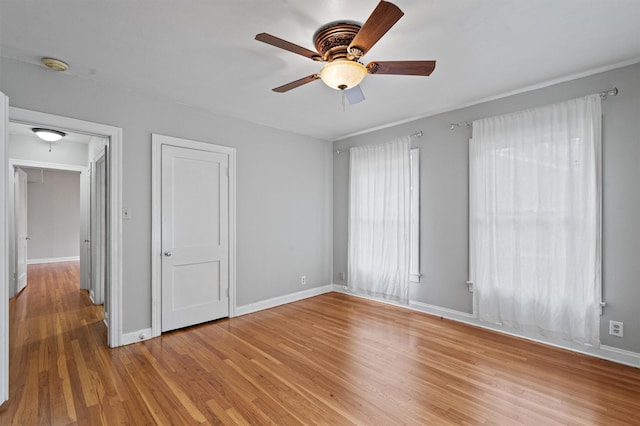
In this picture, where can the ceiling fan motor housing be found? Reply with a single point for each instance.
(332, 40)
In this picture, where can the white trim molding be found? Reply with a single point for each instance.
(136, 336)
(53, 260)
(114, 134)
(282, 300)
(620, 356)
(156, 221)
(5, 274)
(17, 162)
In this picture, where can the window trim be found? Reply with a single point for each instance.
(414, 239)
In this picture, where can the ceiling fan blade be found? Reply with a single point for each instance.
(286, 45)
(383, 17)
(297, 83)
(402, 67)
(354, 95)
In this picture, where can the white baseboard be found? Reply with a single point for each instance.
(53, 260)
(621, 355)
(609, 353)
(136, 336)
(281, 300)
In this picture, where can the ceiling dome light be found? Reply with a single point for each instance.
(343, 74)
(55, 64)
(48, 135)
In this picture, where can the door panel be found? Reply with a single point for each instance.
(22, 237)
(195, 236)
(196, 218)
(192, 294)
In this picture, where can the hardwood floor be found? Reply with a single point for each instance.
(332, 359)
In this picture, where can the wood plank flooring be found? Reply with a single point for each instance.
(332, 359)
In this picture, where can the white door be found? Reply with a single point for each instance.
(22, 238)
(4, 282)
(195, 236)
(85, 231)
(98, 229)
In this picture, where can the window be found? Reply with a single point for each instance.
(379, 241)
(534, 214)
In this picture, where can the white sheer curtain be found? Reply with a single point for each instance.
(380, 219)
(535, 219)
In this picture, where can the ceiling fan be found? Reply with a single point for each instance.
(341, 44)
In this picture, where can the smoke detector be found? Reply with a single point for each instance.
(55, 64)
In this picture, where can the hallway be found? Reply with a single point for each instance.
(54, 325)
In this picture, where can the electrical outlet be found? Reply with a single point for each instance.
(470, 286)
(303, 280)
(616, 328)
(341, 276)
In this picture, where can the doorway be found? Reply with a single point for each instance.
(55, 229)
(59, 208)
(112, 228)
(20, 229)
(193, 232)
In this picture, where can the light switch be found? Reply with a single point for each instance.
(126, 213)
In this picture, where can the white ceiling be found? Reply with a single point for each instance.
(203, 53)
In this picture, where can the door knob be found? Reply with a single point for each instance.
(28, 238)
(167, 253)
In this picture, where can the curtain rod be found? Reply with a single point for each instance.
(603, 95)
(417, 134)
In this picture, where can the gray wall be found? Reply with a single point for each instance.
(53, 215)
(444, 197)
(283, 183)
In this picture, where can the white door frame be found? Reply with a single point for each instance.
(13, 164)
(156, 221)
(114, 134)
(4, 250)
(14, 231)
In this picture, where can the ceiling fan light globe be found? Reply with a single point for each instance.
(343, 74)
